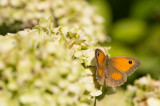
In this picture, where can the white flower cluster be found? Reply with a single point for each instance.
(145, 92)
(47, 66)
(20, 14)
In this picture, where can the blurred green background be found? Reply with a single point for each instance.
(134, 28)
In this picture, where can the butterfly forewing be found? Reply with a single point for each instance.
(100, 57)
(100, 61)
(125, 64)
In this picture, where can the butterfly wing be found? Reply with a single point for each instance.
(125, 64)
(100, 61)
(114, 76)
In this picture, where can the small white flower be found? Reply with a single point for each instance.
(2, 65)
(7, 45)
(153, 101)
(96, 93)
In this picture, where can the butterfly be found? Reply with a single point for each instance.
(114, 71)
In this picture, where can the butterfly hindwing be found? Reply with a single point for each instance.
(100, 75)
(114, 77)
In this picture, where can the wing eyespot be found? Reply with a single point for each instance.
(98, 54)
(130, 61)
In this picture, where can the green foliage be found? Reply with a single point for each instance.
(145, 10)
(129, 30)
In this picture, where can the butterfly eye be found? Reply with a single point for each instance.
(98, 54)
(130, 61)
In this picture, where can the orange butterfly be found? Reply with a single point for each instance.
(114, 70)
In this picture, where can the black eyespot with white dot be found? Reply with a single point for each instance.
(98, 54)
(130, 61)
